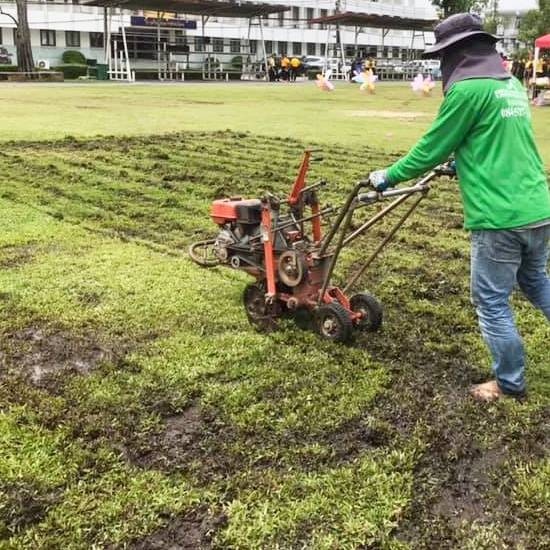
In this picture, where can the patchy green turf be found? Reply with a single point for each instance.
(139, 409)
(391, 118)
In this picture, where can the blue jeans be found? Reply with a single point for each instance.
(499, 260)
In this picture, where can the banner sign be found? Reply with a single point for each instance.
(140, 21)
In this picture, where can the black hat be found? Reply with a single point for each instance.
(455, 28)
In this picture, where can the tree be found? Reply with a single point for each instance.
(23, 47)
(535, 23)
(450, 7)
(492, 19)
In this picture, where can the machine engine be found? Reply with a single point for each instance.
(239, 242)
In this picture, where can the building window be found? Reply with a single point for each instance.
(350, 50)
(269, 46)
(253, 47)
(235, 45)
(324, 13)
(96, 40)
(309, 15)
(281, 46)
(47, 38)
(217, 45)
(311, 48)
(199, 44)
(281, 18)
(296, 48)
(295, 16)
(72, 39)
(323, 49)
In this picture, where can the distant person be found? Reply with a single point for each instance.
(271, 68)
(485, 121)
(295, 68)
(285, 68)
(357, 67)
(371, 64)
(528, 72)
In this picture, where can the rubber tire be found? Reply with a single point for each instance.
(368, 303)
(269, 322)
(344, 326)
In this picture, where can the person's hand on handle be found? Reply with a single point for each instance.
(379, 180)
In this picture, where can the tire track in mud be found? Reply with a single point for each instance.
(463, 476)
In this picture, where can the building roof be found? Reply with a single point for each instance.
(195, 7)
(356, 19)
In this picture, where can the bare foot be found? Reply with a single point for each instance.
(487, 392)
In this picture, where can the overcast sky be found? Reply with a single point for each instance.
(517, 4)
(507, 5)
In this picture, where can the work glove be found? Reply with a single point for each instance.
(379, 180)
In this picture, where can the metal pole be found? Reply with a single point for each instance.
(203, 22)
(105, 34)
(384, 242)
(159, 69)
(108, 49)
(325, 61)
(266, 76)
(125, 44)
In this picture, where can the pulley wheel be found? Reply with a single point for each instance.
(370, 309)
(333, 322)
(291, 268)
(204, 253)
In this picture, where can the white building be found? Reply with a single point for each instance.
(60, 26)
(509, 17)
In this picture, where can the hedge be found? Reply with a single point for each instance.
(73, 57)
(74, 70)
(8, 68)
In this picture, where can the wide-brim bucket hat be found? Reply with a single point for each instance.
(454, 29)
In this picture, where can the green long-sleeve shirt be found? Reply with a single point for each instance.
(486, 123)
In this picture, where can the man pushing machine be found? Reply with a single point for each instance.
(485, 120)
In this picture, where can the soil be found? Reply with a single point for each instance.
(458, 478)
(41, 353)
(15, 256)
(191, 532)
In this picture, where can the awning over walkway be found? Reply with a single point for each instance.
(543, 42)
(195, 7)
(372, 20)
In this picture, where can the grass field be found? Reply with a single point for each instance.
(138, 409)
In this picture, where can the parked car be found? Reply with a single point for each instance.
(5, 57)
(312, 62)
(317, 63)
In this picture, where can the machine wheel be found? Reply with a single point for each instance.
(291, 268)
(371, 309)
(333, 322)
(261, 315)
(203, 253)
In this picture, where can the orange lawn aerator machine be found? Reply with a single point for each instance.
(268, 239)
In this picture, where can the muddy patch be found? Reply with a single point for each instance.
(16, 256)
(22, 505)
(194, 531)
(192, 442)
(39, 354)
